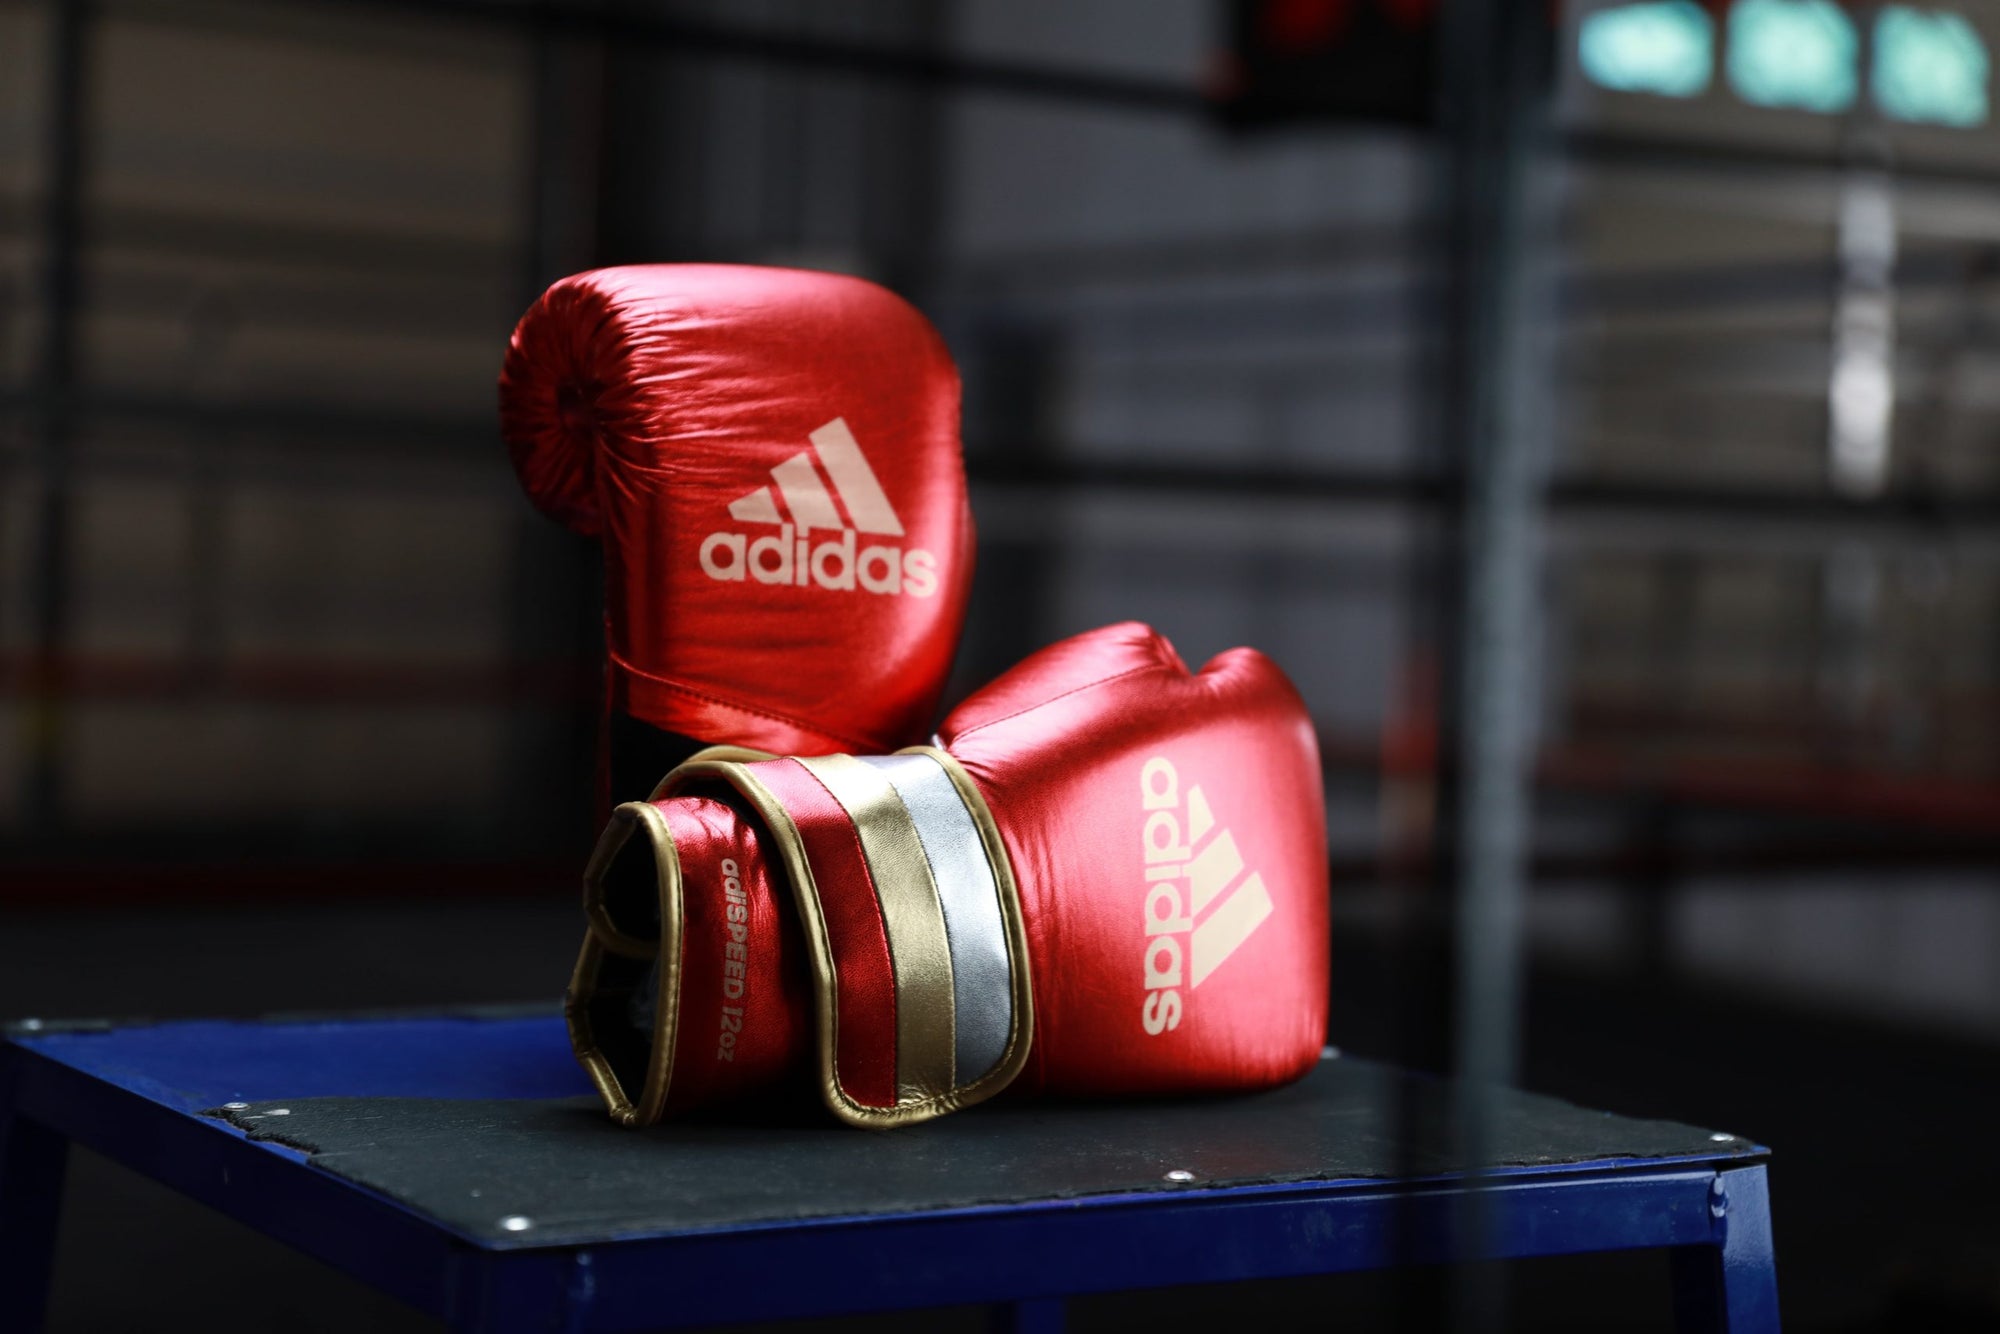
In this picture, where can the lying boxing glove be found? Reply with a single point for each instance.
(1108, 877)
(771, 459)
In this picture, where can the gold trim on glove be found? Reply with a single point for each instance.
(604, 940)
(914, 918)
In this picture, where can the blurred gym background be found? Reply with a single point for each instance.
(1593, 409)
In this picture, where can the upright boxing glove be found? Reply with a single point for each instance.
(771, 459)
(1108, 876)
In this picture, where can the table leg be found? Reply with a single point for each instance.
(1731, 1288)
(32, 1159)
(1038, 1315)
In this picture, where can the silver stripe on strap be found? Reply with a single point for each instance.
(982, 986)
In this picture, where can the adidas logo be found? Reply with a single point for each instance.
(1197, 911)
(791, 557)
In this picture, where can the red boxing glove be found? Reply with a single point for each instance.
(1109, 877)
(771, 459)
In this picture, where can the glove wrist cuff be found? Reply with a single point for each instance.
(912, 919)
(677, 706)
(922, 996)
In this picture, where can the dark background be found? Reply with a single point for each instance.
(1505, 413)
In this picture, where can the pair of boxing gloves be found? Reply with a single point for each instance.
(1105, 874)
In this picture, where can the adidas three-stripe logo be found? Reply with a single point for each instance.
(1196, 893)
(790, 556)
(798, 482)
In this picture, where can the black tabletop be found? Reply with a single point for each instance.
(558, 1166)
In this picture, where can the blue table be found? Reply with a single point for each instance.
(456, 1162)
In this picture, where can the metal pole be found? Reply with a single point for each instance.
(1496, 64)
(554, 578)
(62, 221)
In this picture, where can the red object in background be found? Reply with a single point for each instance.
(1311, 27)
(1285, 61)
(771, 459)
(1298, 27)
(1166, 832)
(1410, 13)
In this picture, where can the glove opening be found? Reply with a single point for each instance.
(624, 881)
(621, 1006)
(693, 988)
(624, 987)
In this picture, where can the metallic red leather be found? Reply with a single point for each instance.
(1168, 834)
(745, 1010)
(1108, 877)
(771, 459)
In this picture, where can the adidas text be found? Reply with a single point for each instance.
(735, 958)
(791, 556)
(795, 559)
(1191, 873)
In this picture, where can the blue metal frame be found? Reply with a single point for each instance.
(58, 1089)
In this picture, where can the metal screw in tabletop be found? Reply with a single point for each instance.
(1180, 1175)
(516, 1223)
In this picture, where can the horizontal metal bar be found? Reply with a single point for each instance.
(296, 426)
(90, 879)
(304, 680)
(1865, 797)
(1014, 466)
(1597, 146)
(672, 35)
(1086, 1247)
(166, 231)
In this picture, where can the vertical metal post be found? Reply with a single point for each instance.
(1496, 66)
(33, 1161)
(1731, 1288)
(1013, 359)
(62, 221)
(553, 575)
(905, 168)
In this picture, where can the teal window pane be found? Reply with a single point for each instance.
(1792, 53)
(1929, 66)
(1666, 47)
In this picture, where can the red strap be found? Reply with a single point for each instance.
(864, 979)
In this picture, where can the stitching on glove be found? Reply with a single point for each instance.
(1042, 704)
(858, 743)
